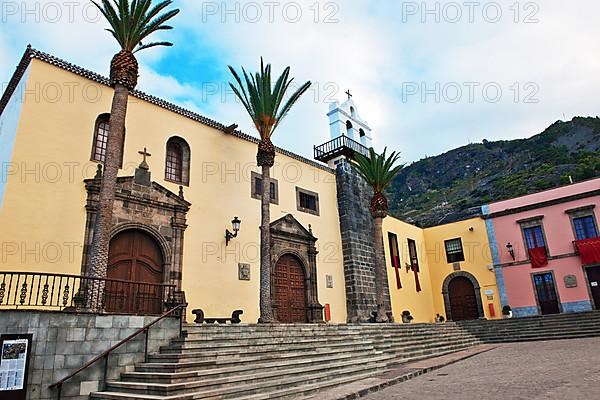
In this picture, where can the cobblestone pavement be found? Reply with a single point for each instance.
(553, 370)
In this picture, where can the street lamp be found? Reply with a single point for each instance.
(511, 250)
(235, 223)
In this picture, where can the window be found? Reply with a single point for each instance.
(256, 181)
(174, 164)
(412, 253)
(454, 250)
(307, 201)
(395, 257)
(177, 161)
(101, 132)
(585, 227)
(534, 237)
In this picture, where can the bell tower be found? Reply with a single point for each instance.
(349, 133)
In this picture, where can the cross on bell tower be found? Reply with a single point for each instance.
(349, 94)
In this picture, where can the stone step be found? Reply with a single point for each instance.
(197, 345)
(403, 357)
(273, 352)
(192, 344)
(263, 387)
(183, 366)
(226, 336)
(170, 374)
(519, 331)
(291, 392)
(210, 382)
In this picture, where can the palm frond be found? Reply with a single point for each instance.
(378, 170)
(131, 23)
(263, 99)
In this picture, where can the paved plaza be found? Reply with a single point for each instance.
(554, 370)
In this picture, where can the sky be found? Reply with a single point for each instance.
(427, 76)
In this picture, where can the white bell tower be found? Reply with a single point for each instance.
(344, 120)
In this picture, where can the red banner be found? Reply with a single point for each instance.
(538, 257)
(589, 250)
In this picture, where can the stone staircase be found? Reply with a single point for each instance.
(279, 361)
(548, 327)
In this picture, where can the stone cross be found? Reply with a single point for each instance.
(144, 164)
(349, 94)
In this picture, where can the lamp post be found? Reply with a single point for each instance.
(235, 224)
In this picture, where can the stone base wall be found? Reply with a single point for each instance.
(64, 342)
(357, 231)
(577, 306)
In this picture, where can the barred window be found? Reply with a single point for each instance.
(307, 201)
(99, 144)
(177, 161)
(534, 237)
(454, 250)
(585, 228)
(174, 164)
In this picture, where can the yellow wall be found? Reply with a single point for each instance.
(477, 258)
(46, 212)
(407, 298)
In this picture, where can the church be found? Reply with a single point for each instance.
(185, 181)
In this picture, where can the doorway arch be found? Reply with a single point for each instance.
(135, 256)
(290, 290)
(462, 297)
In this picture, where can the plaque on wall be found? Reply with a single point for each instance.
(456, 266)
(329, 280)
(570, 281)
(15, 352)
(244, 272)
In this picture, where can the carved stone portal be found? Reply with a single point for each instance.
(289, 237)
(141, 204)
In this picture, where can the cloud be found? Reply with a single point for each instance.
(378, 49)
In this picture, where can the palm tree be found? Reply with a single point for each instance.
(267, 108)
(378, 171)
(130, 23)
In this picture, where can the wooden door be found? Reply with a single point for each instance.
(546, 293)
(594, 280)
(290, 291)
(134, 256)
(463, 302)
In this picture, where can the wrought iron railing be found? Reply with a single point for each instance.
(61, 292)
(341, 145)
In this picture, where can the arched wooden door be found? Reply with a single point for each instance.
(134, 256)
(463, 302)
(290, 291)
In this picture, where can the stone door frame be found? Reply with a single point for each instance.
(141, 204)
(446, 293)
(289, 237)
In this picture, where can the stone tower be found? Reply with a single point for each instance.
(350, 134)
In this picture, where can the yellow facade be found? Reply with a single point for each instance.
(43, 210)
(407, 298)
(435, 269)
(478, 260)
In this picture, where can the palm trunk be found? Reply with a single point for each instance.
(266, 308)
(380, 272)
(103, 224)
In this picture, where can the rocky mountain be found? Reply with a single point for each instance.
(455, 184)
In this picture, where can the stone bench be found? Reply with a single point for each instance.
(201, 319)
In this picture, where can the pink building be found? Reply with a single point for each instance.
(546, 249)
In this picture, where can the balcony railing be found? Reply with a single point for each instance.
(340, 146)
(72, 293)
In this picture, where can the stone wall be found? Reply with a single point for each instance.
(64, 342)
(357, 230)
